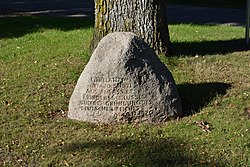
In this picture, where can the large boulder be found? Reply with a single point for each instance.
(125, 81)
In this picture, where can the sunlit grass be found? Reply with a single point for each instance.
(39, 67)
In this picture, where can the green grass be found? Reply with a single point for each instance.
(41, 59)
(211, 3)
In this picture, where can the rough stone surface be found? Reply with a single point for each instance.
(124, 81)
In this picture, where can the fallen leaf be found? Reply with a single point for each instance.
(204, 125)
(8, 103)
(247, 111)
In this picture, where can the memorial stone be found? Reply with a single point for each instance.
(124, 81)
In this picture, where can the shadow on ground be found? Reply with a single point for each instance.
(208, 47)
(196, 96)
(128, 152)
(13, 27)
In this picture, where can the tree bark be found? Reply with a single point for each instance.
(143, 17)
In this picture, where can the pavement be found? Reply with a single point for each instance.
(203, 15)
(176, 14)
(58, 8)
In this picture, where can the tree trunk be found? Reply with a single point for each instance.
(143, 17)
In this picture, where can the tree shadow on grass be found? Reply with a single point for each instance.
(144, 152)
(208, 47)
(13, 27)
(196, 96)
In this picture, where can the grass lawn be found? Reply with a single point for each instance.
(41, 59)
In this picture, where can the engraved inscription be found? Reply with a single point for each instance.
(112, 94)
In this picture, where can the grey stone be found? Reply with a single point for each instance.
(124, 81)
